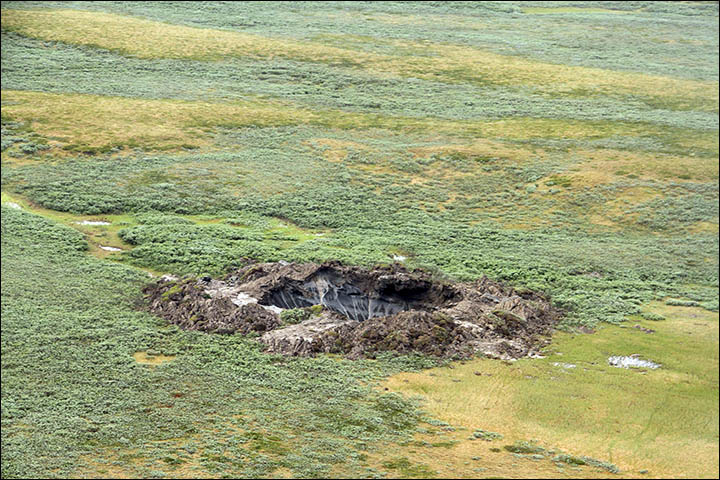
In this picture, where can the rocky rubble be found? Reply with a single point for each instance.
(364, 311)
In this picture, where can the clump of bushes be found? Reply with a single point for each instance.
(293, 316)
(681, 303)
(524, 447)
(559, 180)
(486, 435)
(592, 462)
(32, 147)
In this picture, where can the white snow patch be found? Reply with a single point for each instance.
(93, 222)
(13, 205)
(243, 298)
(632, 361)
(272, 308)
(111, 249)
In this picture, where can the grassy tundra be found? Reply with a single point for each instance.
(566, 147)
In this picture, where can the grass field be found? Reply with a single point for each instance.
(574, 401)
(566, 147)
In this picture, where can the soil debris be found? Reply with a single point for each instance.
(305, 309)
(643, 329)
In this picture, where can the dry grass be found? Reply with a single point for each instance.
(447, 19)
(481, 148)
(472, 65)
(335, 150)
(134, 463)
(99, 121)
(556, 10)
(145, 359)
(705, 227)
(94, 121)
(665, 424)
(473, 459)
(607, 166)
(92, 467)
(148, 39)
(608, 213)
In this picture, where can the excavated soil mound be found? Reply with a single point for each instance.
(304, 309)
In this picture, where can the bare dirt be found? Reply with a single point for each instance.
(305, 309)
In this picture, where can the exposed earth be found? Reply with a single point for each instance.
(308, 308)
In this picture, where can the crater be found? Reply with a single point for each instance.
(305, 309)
(358, 295)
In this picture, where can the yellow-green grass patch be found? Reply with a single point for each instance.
(96, 123)
(445, 19)
(607, 166)
(551, 10)
(149, 39)
(146, 358)
(132, 463)
(705, 227)
(334, 150)
(664, 421)
(481, 149)
(610, 212)
(452, 455)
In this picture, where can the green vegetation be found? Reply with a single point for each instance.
(446, 63)
(652, 316)
(220, 403)
(406, 469)
(487, 436)
(573, 460)
(292, 316)
(368, 211)
(566, 148)
(524, 447)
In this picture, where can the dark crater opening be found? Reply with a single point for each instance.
(358, 296)
(366, 311)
